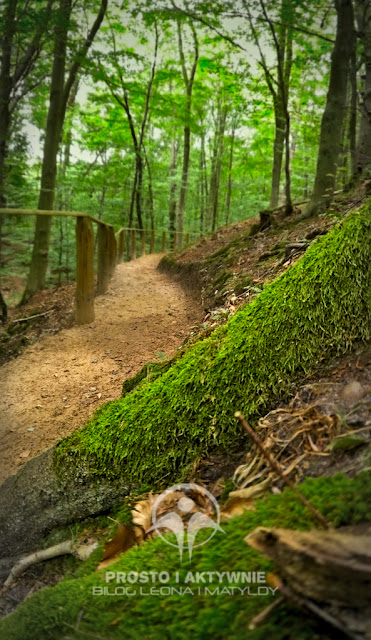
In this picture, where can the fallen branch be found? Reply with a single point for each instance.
(37, 315)
(277, 468)
(82, 551)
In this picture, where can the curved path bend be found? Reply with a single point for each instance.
(56, 384)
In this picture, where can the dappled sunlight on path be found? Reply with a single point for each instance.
(55, 385)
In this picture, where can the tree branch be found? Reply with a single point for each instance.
(82, 53)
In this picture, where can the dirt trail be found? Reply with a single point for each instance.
(55, 385)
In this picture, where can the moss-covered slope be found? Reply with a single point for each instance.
(70, 610)
(321, 307)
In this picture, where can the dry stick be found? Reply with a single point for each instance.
(262, 616)
(38, 556)
(277, 468)
(37, 315)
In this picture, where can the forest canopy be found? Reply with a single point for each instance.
(179, 117)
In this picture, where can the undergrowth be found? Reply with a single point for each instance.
(318, 309)
(70, 610)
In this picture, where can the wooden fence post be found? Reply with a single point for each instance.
(187, 239)
(133, 244)
(163, 248)
(143, 242)
(120, 245)
(112, 250)
(152, 245)
(84, 271)
(103, 259)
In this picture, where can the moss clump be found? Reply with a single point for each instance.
(318, 309)
(149, 372)
(55, 612)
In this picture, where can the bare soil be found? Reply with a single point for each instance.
(56, 384)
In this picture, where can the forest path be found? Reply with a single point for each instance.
(56, 384)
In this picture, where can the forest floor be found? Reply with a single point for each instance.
(57, 383)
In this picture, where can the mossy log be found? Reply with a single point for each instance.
(34, 501)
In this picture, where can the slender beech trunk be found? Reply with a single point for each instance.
(352, 128)
(229, 184)
(283, 44)
(200, 193)
(278, 146)
(216, 164)
(173, 187)
(15, 67)
(334, 114)
(5, 93)
(40, 253)
(188, 82)
(5, 89)
(363, 14)
(279, 89)
(151, 202)
(59, 93)
(136, 136)
(202, 182)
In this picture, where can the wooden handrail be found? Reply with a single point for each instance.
(85, 256)
(111, 247)
(47, 212)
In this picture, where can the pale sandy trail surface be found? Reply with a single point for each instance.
(56, 384)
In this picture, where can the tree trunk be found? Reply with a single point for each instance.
(188, 82)
(363, 14)
(352, 128)
(334, 114)
(59, 94)
(229, 185)
(39, 260)
(279, 141)
(5, 89)
(151, 201)
(5, 92)
(184, 178)
(216, 167)
(173, 187)
(34, 501)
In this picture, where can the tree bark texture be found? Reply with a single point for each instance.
(59, 94)
(35, 501)
(363, 14)
(334, 113)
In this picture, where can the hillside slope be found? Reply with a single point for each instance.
(319, 308)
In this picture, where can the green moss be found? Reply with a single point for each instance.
(222, 278)
(149, 372)
(70, 609)
(318, 309)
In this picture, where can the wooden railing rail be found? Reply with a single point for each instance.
(111, 251)
(85, 256)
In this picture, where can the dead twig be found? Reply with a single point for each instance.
(263, 615)
(82, 551)
(37, 315)
(277, 468)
